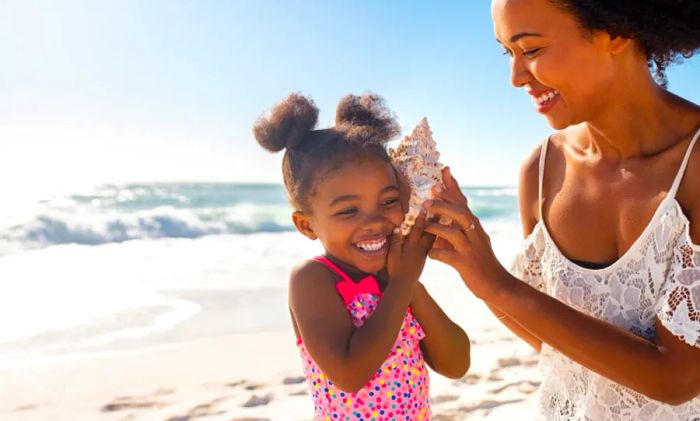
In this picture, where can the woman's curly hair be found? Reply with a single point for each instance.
(363, 125)
(667, 30)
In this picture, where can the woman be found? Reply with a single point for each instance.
(610, 205)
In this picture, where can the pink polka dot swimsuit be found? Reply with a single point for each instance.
(398, 391)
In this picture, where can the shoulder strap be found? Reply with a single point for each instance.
(324, 260)
(681, 171)
(543, 155)
(347, 288)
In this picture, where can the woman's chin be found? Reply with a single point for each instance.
(557, 124)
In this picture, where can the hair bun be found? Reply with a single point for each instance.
(288, 124)
(366, 118)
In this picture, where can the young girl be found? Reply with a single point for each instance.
(365, 325)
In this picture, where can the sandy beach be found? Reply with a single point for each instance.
(257, 376)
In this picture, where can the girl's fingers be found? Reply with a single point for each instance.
(453, 235)
(395, 246)
(459, 214)
(426, 241)
(417, 230)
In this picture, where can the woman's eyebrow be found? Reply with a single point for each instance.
(520, 35)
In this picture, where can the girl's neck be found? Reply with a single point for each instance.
(354, 273)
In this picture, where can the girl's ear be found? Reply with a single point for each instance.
(303, 224)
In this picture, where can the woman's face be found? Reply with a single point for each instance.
(566, 70)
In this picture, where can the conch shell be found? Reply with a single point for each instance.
(417, 158)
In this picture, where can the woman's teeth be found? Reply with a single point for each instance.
(545, 98)
(373, 245)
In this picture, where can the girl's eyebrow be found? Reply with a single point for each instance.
(348, 197)
(344, 198)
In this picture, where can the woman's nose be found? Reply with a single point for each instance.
(519, 74)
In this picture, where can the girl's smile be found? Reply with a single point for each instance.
(354, 211)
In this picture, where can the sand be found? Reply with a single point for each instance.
(258, 376)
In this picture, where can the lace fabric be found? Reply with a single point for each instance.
(658, 277)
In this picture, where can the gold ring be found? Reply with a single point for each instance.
(470, 227)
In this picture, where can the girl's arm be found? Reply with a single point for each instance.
(445, 346)
(349, 355)
(665, 369)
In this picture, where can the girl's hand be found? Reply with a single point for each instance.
(407, 255)
(464, 245)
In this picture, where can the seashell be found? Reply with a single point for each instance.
(417, 158)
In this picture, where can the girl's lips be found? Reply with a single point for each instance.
(374, 247)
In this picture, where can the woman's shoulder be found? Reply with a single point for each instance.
(689, 191)
(529, 184)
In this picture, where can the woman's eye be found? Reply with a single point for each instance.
(507, 53)
(530, 53)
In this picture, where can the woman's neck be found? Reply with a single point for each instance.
(640, 119)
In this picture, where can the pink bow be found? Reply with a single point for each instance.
(349, 290)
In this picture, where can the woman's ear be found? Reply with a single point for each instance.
(303, 224)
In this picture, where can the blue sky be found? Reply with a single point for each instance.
(117, 91)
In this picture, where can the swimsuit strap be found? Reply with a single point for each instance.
(543, 154)
(684, 164)
(347, 288)
(324, 260)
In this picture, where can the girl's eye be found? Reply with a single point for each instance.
(507, 53)
(390, 202)
(347, 212)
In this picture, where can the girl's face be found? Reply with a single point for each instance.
(354, 210)
(568, 72)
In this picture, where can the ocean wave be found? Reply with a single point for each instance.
(118, 213)
(93, 228)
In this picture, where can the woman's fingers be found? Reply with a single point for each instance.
(453, 235)
(449, 257)
(459, 214)
(451, 192)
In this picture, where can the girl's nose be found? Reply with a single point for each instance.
(374, 221)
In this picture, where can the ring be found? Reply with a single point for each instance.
(470, 227)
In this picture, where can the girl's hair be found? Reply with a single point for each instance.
(363, 125)
(667, 30)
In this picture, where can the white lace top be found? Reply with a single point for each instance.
(659, 276)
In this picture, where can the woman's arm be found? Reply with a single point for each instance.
(446, 345)
(528, 194)
(666, 369)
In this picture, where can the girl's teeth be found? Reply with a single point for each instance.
(372, 245)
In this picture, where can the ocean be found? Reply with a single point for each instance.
(137, 264)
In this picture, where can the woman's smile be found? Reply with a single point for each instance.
(544, 100)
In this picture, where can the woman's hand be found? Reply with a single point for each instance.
(464, 245)
(407, 254)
